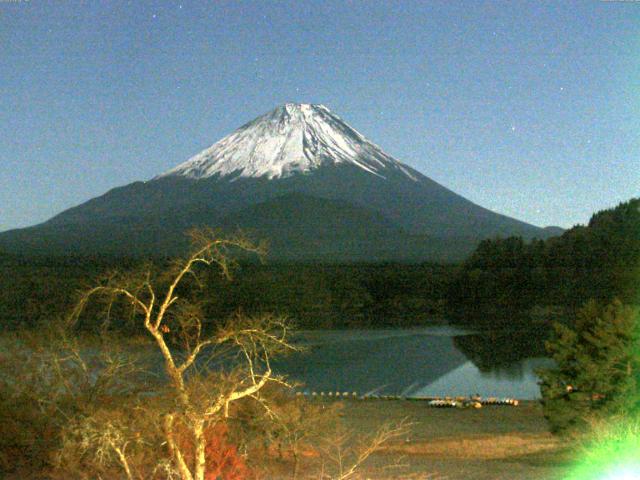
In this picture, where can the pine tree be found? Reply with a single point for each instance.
(597, 367)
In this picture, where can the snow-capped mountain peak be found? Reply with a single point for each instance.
(292, 138)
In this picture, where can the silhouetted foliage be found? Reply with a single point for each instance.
(598, 367)
(35, 290)
(507, 281)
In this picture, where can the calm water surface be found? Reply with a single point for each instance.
(409, 362)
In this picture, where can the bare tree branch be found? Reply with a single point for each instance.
(255, 339)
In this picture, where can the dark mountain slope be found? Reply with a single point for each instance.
(295, 149)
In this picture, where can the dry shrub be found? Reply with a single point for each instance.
(119, 440)
(344, 454)
(45, 382)
(26, 435)
(224, 462)
(284, 428)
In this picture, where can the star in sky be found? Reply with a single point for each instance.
(250, 63)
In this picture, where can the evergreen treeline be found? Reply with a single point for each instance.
(330, 296)
(505, 283)
(39, 289)
(33, 290)
(509, 282)
(596, 375)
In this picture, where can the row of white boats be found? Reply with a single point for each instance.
(474, 401)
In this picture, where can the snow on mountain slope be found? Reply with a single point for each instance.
(293, 138)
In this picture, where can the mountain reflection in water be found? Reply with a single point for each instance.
(416, 362)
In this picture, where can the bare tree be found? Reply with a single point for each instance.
(200, 396)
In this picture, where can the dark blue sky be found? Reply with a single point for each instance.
(531, 109)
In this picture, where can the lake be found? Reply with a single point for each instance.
(409, 362)
(419, 362)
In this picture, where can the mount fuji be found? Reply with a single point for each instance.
(298, 176)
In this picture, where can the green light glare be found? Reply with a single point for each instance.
(624, 473)
(611, 454)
